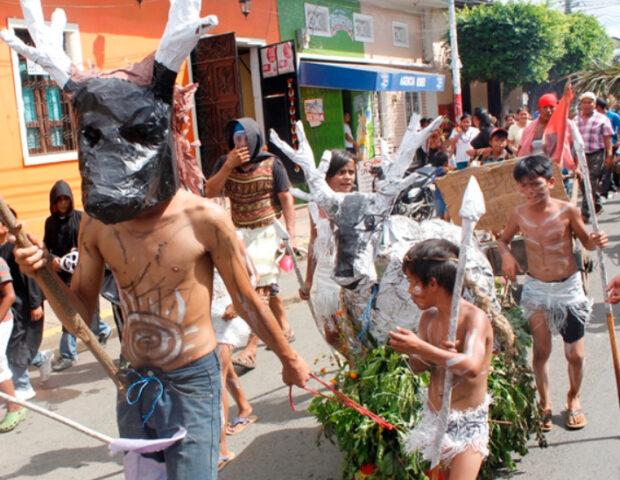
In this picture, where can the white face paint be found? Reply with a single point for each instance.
(417, 290)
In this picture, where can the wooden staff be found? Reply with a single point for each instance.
(59, 299)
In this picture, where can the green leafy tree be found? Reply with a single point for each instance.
(513, 43)
(585, 41)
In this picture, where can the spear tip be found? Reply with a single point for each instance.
(473, 206)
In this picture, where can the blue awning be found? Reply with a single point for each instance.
(367, 78)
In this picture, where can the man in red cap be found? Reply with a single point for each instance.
(532, 137)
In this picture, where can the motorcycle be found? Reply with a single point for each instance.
(418, 200)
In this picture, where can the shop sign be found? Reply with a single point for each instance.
(315, 114)
(341, 20)
(277, 59)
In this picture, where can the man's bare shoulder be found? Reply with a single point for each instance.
(567, 208)
(91, 229)
(475, 317)
(202, 211)
(207, 217)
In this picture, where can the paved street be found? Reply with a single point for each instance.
(282, 445)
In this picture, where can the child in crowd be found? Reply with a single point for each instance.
(441, 162)
(27, 323)
(498, 151)
(14, 413)
(431, 267)
(553, 298)
(231, 332)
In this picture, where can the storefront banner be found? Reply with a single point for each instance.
(269, 61)
(368, 78)
(286, 58)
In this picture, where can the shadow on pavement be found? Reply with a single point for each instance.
(284, 455)
(45, 463)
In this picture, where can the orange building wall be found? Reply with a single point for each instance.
(111, 37)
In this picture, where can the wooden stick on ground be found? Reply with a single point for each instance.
(59, 418)
(58, 296)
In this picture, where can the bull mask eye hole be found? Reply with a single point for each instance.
(370, 223)
(92, 135)
(144, 134)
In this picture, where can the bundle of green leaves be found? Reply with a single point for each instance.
(383, 383)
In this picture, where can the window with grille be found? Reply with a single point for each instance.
(47, 121)
(412, 104)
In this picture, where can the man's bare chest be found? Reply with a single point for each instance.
(140, 258)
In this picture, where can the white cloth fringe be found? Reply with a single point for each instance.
(233, 332)
(556, 299)
(467, 430)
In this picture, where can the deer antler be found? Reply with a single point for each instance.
(182, 32)
(304, 157)
(412, 140)
(49, 52)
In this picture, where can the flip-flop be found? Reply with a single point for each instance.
(545, 421)
(575, 419)
(290, 335)
(244, 360)
(12, 419)
(224, 460)
(239, 424)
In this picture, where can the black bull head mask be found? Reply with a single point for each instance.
(126, 154)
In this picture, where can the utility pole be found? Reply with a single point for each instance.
(455, 63)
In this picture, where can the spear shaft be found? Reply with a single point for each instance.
(472, 209)
(611, 326)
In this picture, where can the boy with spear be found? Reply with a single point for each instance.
(553, 297)
(455, 341)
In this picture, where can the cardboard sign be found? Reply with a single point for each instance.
(499, 188)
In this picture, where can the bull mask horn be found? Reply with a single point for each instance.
(48, 39)
(413, 139)
(324, 196)
(183, 30)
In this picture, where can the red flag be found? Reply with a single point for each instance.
(557, 133)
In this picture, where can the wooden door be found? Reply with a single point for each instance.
(218, 98)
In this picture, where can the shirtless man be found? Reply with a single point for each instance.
(163, 262)
(431, 267)
(162, 244)
(553, 297)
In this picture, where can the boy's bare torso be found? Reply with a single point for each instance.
(472, 333)
(164, 273)
(548, 240)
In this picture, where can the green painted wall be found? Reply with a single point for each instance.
(330, 134)
(291, 17)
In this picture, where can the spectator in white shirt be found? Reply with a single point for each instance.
(516, 129)
(460, 140)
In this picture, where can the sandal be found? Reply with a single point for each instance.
(12, 419)
(245, 360)
(546, 423)
(239, 424)
(224, 460)
(575, 419)
(290, 335)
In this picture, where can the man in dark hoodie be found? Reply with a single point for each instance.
(257, 185)
(62, 229)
